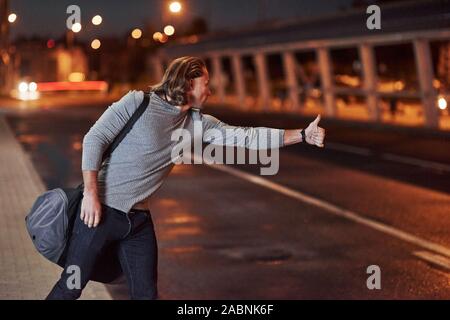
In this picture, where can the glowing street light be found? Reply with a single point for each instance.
(442, 103)
(169, 30)
(97, 20)
(76, 27)
(136, 33)
(12, 17)
(175, 7)
(95, 44)
(157, 36)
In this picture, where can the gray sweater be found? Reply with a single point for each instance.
(139, 164)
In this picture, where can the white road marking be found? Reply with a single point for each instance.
(336, 210)
(416, 162)
(442, 167)
(347, 148)
(433, 258)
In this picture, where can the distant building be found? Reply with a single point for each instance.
(34, 61)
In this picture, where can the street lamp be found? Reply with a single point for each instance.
(136, 33)
(442, 103)
(12, 18)
(169, 30)
(175, 7)
(157, 36)
(97, 20)
(95, 44)
(76, 27)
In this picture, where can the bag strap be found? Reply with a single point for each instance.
(140, 110)
(127, 127)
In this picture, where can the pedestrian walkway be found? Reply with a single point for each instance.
(24, 273)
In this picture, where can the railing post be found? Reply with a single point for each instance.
(425, 73)
(239, 79)
(218, 78)
(290, 68)
(370, 80)
(263, 82)
(326, 73)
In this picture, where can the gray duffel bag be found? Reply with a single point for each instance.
(50, 221)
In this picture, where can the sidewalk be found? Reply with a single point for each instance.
(24, 273)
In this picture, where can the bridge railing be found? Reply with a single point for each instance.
(325, 95)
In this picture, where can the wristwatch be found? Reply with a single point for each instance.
(302, 132)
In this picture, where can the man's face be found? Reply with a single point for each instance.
(199, 92)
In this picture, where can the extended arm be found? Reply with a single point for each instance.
(254, 138)
(258, 138)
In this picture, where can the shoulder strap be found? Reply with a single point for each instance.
(128, 126)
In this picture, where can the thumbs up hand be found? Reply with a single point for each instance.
(314, 133)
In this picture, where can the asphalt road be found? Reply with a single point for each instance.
(370, 197)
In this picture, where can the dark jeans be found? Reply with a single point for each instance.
(137, 253)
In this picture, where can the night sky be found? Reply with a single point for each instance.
(48, 17)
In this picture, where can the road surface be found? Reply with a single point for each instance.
(309, 232)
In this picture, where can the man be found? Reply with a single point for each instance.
(116, 192)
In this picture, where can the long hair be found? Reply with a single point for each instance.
(175, 82)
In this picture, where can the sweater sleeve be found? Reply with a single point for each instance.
(254, 138)
(107, 127)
